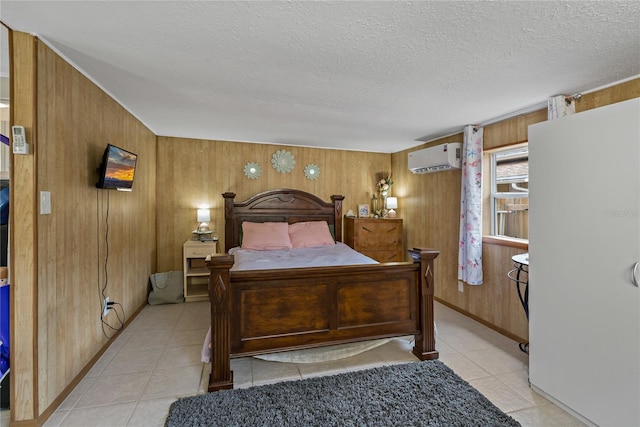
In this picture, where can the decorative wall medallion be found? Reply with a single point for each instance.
(311, 171)
(283, 161)
(252, 170)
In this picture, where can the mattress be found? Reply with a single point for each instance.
(320, 256)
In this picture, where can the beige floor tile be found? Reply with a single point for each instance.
(176, 357)
(163, 311)
(498, 339)
(241, 367)
(264, 372)
(54, 420)
(396, 351)
(161, 324)
(458, 325)
(204, 378)
(132, 361)
(498, 361)
(78, 392)
(197, 309)
(463, 366)
(366, 360)
(546, 416)
(183, 381)
(501, 395)
(444, 348)
(101, 364)
(181, 337)
(465, 340)
(186, 323)
(101, 416)
(151, 413)
(519, 381)
(145, 341)
(310, 370)
(117, 342)
(135, 323)
(112, 389)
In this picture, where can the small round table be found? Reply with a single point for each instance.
(521, 265)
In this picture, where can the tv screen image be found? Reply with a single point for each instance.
(117, 169)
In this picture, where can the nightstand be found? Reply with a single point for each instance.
(380, 239)
(196, 274)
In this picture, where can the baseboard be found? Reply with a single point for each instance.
(481, 320)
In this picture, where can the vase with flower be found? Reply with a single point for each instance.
(384, 183)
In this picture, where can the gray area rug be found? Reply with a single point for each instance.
(417, 394)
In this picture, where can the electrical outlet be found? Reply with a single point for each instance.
(460, 286)
(105, 307)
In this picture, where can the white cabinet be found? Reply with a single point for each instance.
(196, 275)
(584, 240)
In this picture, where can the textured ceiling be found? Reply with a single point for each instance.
(374, 76)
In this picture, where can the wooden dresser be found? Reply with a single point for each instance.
(380, 239)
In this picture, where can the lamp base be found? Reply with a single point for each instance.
(391, 213)
(203, 236)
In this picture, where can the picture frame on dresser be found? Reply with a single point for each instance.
(363, 211)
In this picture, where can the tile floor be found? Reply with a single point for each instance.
(143, 372)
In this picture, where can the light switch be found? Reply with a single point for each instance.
(45, 202)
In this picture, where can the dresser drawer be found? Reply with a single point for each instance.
(378, 235)
(380, 239)
(199, 251)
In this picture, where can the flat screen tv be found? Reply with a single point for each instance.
(117, 169)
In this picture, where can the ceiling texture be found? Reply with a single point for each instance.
(371, 76)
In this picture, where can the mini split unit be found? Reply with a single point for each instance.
(438, 158)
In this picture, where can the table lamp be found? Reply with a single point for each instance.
(392, 203)
(204, 216)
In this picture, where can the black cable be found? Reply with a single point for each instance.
(98, 247)
(111, 305)
(106, 248)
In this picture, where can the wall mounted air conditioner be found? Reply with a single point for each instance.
(438, 158)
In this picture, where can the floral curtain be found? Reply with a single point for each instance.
(470, 245)
(560, 106)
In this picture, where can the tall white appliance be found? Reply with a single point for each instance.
(584, 249)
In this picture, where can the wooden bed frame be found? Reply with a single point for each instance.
(264, 311)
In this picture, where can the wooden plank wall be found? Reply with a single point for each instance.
(430, 206)
(193, 173)
(58, 260)
(23, 235)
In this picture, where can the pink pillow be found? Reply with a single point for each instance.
(310, 234)
(264, 236)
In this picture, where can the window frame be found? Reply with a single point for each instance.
(494, 195)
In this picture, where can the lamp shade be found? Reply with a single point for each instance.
(392, 202)
(204, 215)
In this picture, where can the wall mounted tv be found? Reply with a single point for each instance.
(117, 169)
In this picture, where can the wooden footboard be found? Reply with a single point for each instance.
(262, 311)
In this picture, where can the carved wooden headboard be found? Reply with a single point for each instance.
(281, 205)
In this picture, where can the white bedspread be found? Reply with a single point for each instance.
(338, 254)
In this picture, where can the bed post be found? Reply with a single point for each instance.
(337, 212)
(221, 375)
(229, 226)
(425, 343)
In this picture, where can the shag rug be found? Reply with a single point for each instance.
(419, 394)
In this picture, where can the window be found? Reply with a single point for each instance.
(510, 192)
